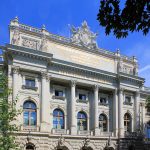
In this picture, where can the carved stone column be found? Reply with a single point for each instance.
(136, 110)
(115, 112)
(15, 81)
(120, 113)
(96, 116)
(45, 105)
(72, 108)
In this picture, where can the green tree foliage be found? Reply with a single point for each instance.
(8, 114)
(135, 16)
(148, 103)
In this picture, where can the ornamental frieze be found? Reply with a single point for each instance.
(83, 74)
(30, 43)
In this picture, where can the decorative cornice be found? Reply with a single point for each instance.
(73, 83)
(96, 87)
(18, 50)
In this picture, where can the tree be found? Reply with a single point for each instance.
(8, 114)
(135, 16)
(148, 103)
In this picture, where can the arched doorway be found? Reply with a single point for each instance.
(30, 147)
(87, 148)
(62, 148)
(131, 147)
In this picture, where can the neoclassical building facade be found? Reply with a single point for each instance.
(73, 94)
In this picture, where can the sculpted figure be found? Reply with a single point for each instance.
(75, 35)
(16, 37)
(44, 45)
(61, 141)
(120, 66)
(135, 70)
(83, 36)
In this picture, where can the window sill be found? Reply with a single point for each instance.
(30, 128)
(60, 131)
(83, 132)
(103, 104)
(58, 97)
(127, 103)
(82, 101)
(29, 87)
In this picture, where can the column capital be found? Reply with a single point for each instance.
(45, 75)
(137, 93)
(73, 83)
(121, 90)
(96, 87)
(15, 69)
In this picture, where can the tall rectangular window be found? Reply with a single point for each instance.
(82, 97)
(30, 82)
(58, 93)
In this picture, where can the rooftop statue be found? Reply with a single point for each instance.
(83, 36)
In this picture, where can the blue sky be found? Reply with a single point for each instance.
(57, 14)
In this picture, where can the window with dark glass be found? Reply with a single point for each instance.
(127, 123)
(58, 119)
(128, 99)
(30, 82)
(29, 113)
(82, 121)
(58, 93)
(82, 97)
(103, 122)
(103, 100)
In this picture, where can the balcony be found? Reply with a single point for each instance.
(30, 128)
(127, 103)
(82, 101)
(60, 131)
(84, 132)
(29, 87)
(58, 97)
(107, 134)
(103, 104)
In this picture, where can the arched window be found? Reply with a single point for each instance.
(127, 122)
(82, 121)
(29, 113)
(103, 122)
(58, 119)
(29, 147)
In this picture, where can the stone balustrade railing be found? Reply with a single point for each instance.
(60, 131)
(68, 40)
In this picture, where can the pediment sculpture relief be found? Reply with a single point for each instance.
(83, 36)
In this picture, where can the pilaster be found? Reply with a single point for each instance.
(72, 108)
(136, 111)
(120, 114)
(45, 105)
(96, 116)
(15, 81)
(115, 112)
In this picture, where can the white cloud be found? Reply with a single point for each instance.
(144, 69)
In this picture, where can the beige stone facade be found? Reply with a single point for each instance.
(74, 95)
